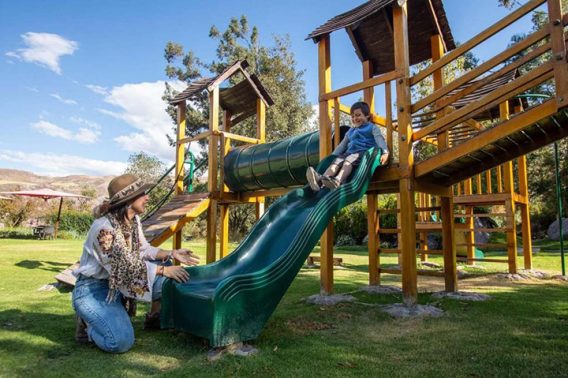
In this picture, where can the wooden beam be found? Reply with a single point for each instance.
(324, 81)
(214, 129)
(484, 35)
(373, 242)
(197, 137)
(368, 93)
(237, 137)
(261, 135)
(558, 52)
(211, 252)
(525, 213)
(180, 159)
(224, 230)
(369, 83)
(407, 240)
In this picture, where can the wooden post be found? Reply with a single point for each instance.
(224, 230)
(224, 209)
(180, 158)
(406, 158)
(488, 187)
(388, 115)
(336, 122)
(324, 79)
(558, 46)
(509, 188)
(373, 241)
(470, 224)
(525, 214)
(446, 202)
(212, 179)
(369, 93)
(261, 135)
(499, 180)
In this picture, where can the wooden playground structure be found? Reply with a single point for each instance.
(477, 122)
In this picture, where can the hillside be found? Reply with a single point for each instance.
(12, 179)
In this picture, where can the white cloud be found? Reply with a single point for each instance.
(63, 165)
(85, 122)
(84, 135)
(67, 101)
(44, 49)
(97, 89)
(141, 106)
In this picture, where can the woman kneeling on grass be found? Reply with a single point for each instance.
(117, 265)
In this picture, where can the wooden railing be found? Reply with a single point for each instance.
(550, 39)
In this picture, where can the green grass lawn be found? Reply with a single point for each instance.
(522, 331)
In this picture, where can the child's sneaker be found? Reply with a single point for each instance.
(314, 179)
(330, 182)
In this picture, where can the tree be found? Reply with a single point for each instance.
(150, 169)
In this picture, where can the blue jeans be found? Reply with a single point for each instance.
(108, 324)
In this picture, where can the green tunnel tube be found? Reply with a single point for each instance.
(273, 165)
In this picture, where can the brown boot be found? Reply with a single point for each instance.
(81, 330)
(152, 321)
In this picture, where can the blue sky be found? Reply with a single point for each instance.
(82, 80)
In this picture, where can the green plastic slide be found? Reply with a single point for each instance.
(230, 300)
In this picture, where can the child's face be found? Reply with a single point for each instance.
(358, 118)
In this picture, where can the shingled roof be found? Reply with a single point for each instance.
(240, 99)
(370, 29)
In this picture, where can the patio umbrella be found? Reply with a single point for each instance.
(47, 194)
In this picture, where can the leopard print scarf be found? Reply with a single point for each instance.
(127, 269)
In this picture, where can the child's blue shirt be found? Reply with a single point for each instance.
(359, 139)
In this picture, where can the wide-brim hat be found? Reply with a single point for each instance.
(124, 188)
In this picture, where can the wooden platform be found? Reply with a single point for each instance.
(172, 216)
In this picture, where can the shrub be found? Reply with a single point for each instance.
(75, 221)
(16, 233)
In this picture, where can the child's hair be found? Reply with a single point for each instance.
(363, 106)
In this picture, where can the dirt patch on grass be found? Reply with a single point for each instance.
(306, 326)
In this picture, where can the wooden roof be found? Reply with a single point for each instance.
(370, 29)
(240, 99)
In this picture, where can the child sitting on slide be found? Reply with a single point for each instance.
(362, 136)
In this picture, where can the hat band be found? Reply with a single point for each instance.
(127, 191)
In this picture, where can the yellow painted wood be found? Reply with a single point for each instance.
(324, 81)
(213, 148)
(407, 242)
(225, 148)
(180, 158)
(224, 230)
(469, 235)
(336, 121)
(261, 135)
(211, 252)
(237, 137)
(200, 136)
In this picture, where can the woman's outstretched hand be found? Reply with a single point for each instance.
(384, 158)
(176, 272)
(185, 256)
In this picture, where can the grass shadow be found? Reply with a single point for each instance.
(51, 266)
